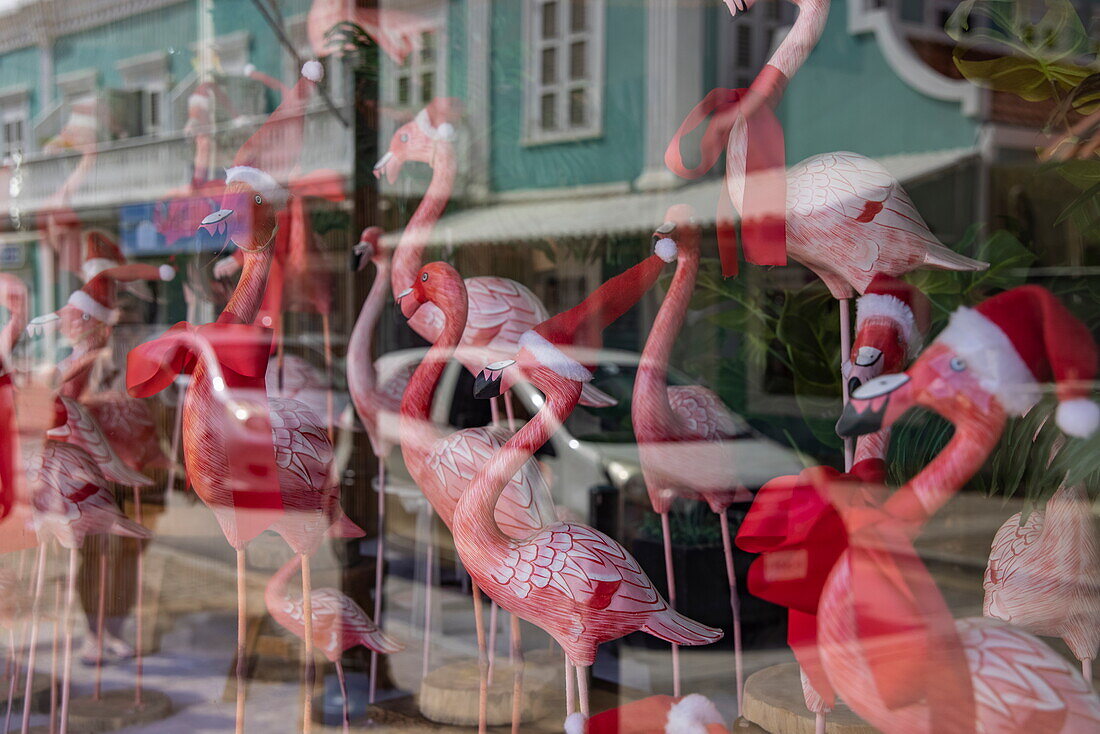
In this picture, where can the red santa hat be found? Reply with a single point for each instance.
(1018, 340)
(693, 714)
(266, 159)
(100, 252)
(581, 327)
(893, 300)
(97, 297)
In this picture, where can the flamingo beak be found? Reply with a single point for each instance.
(876, 405)
(360, 255)
(865, 367)
(407, 303)
(386, 165)
(488, 383)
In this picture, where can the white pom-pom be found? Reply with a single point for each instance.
(574, 723)
(665, 248)
(313, 71)
(249, 69)
(691, 715)
(1078, 417)
(445, 131)
(167, 272)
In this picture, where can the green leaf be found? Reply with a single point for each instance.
(1027, 78)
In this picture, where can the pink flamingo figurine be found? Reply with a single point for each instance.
(71, 501)
(288, 484)
(886, 638)
(1042, 574)
(576, 583)
(684, 434)
(339, 624)
(442, 464)
(500, 310)
(374, 402)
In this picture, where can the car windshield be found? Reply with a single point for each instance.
(612, 425)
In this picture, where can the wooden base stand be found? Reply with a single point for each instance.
(115, 710)
(449, 694)
(774, 702)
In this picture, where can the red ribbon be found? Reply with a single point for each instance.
(763, 221)
(241, 352)
(802, 526)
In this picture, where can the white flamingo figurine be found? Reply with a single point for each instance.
(339, 624)
(685, 434)
(1044, 574)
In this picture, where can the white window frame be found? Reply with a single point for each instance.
(77, 85)
(148, 74)
(435, 15)
(534, 88)
(14, 108)
(233, 51)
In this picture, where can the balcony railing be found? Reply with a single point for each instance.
(147, 169)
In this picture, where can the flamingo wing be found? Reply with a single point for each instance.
(501, 310)
(524, 506)
(856, 188)
(303, 452)
(1020, 684)
(703, 413)
(392, 387)
(584, 565)
(81, 429)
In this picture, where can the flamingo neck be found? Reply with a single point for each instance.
(416, 403)
(362, 378)
(475, 515)
(872, 446)
(10, 335)
(276, 590)
(245, 302)
(803, 36)
(651, 385)
(410, 249)
(938, 482)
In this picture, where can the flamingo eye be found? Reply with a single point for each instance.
(404, 137)
(424, 277)
(957, 364)
(259, 200)
(86, 317)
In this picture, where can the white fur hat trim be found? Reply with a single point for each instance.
(574, 723)
(82, 301)
(989, 354)
(261, 181)
(883, 305)
(553, 358)
(691, 715)
(445, 131)
(167, 272)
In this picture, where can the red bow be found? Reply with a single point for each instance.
(799, 537)
(803, 526)
(763, 221)
(238, 355)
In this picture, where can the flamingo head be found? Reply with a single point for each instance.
(939, 380)
(878, 349)
(436, 283)
(678, 232)
(368, 248)
(13, 295)
(248, 215)
(417, 140)
(77, 326)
